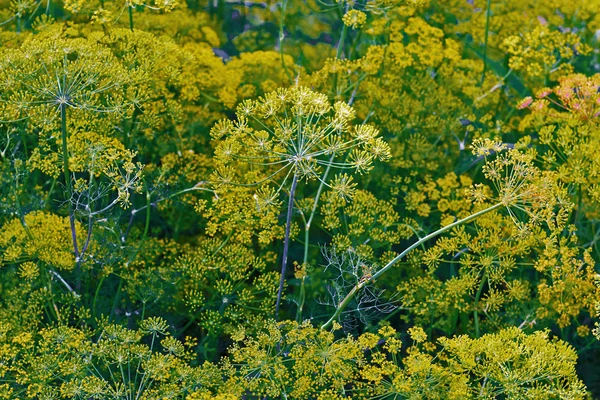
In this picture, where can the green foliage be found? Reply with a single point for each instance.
(299, 199)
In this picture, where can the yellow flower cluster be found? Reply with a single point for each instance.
(39, 237)
(364, 224)
(565, 119)
(542, 52)
(226, 285)
(354, 18)
(299, 361)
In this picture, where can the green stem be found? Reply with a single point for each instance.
(116, 300)
(90, 210)
(488, 12)
(353, 47)
(390, 264)
(579, 204)
(96, 297)
(314, 209)
(300, 310)
(130, 10)
(20, 209)
(188, 324)
(146, 226)
(192, 189)
(593, 343)
(286, 244)
(50, 303)
(476, 304)
(68, 183)
(281, 38)
(223, 243)
(340, 45)
(307, 226)
(48, 197)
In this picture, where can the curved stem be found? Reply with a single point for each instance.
(286, 244)
(390, 264)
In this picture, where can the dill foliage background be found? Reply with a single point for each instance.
(379, 199)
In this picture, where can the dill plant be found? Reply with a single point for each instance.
(45, 86)
(294, 134)
(492, 290)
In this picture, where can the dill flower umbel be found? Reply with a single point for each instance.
(355, 19)
(531, 196)
(294, 132)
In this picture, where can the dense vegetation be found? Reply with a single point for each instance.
(378, 199)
